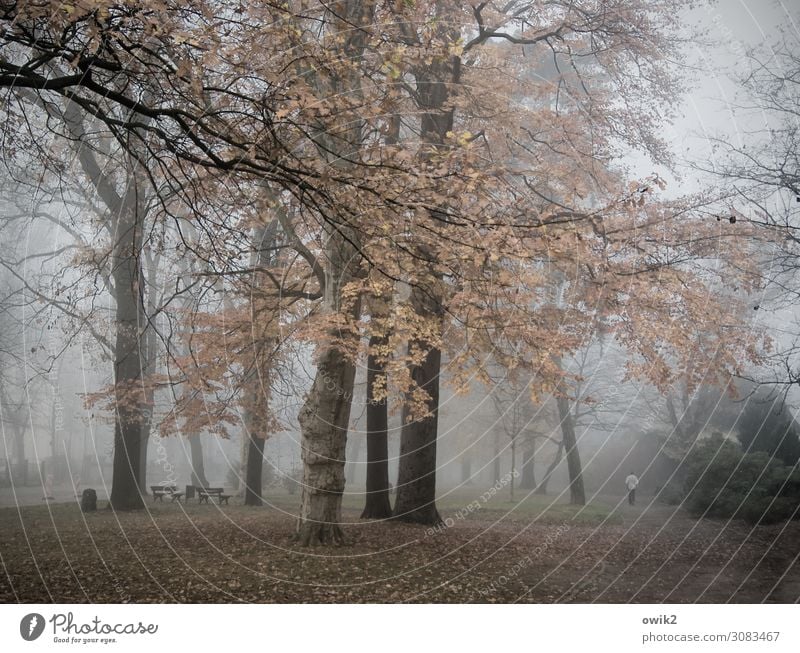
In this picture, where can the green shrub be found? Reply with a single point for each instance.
(790, 487)
(767, 510)
(672, 494)
(723, 482)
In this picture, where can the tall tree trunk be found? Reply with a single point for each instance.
(254, 434)
(145, 440)
(416, 480)
(325, 415)
(576, 491)
(125, 227)
(150, 342)
(255, 437)
(255, 468)
(528, 480)
(244, 452)
(542, 487)
(197, 468)
(125, 490)
(256, 428)
(198, 473)
(377, 505)
(149, 400)
(323, 421)
(257, 409)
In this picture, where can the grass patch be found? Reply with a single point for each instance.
(533, 507)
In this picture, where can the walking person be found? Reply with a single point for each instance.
(48, 488)
(631, 482)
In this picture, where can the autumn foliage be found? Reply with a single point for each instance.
(459, 163)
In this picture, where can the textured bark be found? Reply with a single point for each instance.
(377, 505)
(576, 491)
(325, 415)
(323, 422)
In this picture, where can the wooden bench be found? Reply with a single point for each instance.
(204, 493)
(159, 491)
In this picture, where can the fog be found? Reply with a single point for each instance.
(543, 286)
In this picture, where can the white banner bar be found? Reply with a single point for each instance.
(400, 628)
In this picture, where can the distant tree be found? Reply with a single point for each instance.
(765, 424)
(516, 416)
(14, 395)
(259, 422)
(760, 176)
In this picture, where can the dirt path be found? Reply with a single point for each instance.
(660, 554)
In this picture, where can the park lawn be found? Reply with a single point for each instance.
(528, 507)
(472, 504)
(209, 553)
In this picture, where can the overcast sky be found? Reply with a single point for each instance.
(735, 26)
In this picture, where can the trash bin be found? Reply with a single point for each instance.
(189, 492)
(88, 500)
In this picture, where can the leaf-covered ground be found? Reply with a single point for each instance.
(191, 553)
